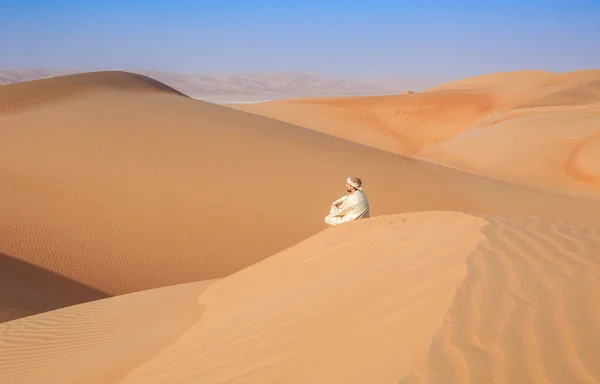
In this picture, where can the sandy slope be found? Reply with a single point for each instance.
(400, 123)
(113, 183)
(409, 123)
(476, 124)
(333, 308)
(97, 342)
(34, 94)
(436, 297)
(551, 147)
(554, 136)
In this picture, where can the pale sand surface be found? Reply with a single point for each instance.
(440, 297)
(206, 223)
(527, 127)
(319, 311)
(528, 310)
(115, 185)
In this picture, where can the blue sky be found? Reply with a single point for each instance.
(441, 40)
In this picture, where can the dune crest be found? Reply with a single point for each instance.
(510, 80)
(354, 303)
(20, 97)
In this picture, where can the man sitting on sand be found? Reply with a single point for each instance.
(353, 206)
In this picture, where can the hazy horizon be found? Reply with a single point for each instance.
(384, 42)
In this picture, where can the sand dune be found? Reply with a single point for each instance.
(308, 314)
(527, 311)
(583, 94)
(554, 137)
(409, 123)
(476, 124)
(401, 123)
(418, 297)
(120, 184)
(15, 98)
(511, 79)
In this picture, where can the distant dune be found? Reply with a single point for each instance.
(527, 127)
(15, 98)
(549, 140)
(426, 297)
(525, 79)
(401, 123)
(233, 88)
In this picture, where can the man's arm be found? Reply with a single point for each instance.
(346, 207)
(339, 201)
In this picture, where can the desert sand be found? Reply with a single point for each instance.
(431, 297)
(147, 237)
(545, 122)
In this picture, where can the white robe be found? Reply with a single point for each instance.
(353, 206)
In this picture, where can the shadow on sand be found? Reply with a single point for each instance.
(26, 289)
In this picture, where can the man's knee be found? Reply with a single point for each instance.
(329, 220)
(333, 220)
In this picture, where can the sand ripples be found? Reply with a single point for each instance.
(528, 310)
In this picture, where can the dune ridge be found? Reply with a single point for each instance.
(292, 317)
(424, 297)
(15, 98)
(121, 191)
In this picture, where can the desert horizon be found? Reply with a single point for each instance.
(232, 88)
(283, 193)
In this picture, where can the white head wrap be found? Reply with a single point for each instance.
(352, 183)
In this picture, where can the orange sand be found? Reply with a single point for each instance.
(206, 224)
(476, 124)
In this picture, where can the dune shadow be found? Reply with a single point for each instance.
(26, 290)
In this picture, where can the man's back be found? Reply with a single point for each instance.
(357, 206)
